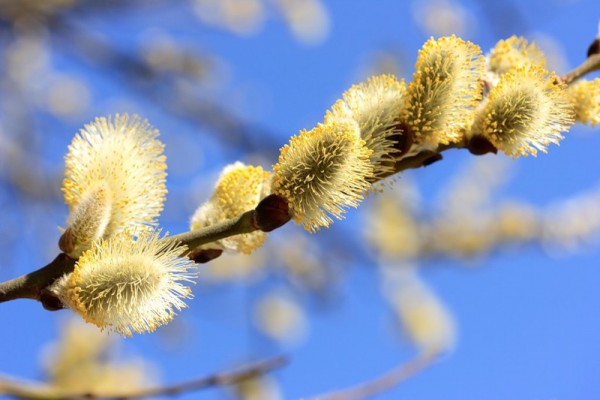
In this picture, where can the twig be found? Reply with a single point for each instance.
(31, 285)
(244, 223)
(384, 382)
(592, 63)
(37, 391)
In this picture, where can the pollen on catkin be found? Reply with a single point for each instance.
(89, 219)
(129, 285)
(122, 155)
(514, 52)
(323, 171)
(586, 101)
(525, 112)
(239, 189)
(375, 105)
(446, 86)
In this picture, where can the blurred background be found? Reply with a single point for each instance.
(493, 260)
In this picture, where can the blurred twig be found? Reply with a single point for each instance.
(36, 391)
(591, 64)
(384, 382)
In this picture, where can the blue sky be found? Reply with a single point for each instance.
(528, 325)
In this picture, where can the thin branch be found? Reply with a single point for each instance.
(31, 285)
(37, 391)
(244, 223)
(384, 382)
(592, 63)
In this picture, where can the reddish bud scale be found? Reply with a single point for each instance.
(203, 256)
(65, 243)
(271, 213)
(594, 48)
(433, 159)
(479, 145)
(50, 301)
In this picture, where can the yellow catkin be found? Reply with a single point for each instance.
(375, 106)
(525, 112)
(123, 154)
(323, 171)
(239, 189)
(515, 52)
(446, 87)
(89, 219)
(130, 285)
(586, 100)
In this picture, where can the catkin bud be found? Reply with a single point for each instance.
(446, 87)
(239, 189)
(129, 285)
(514, 52)
(323, 171)
(88, 221)
(122, 156)
(586, 101)
(375, 106)
(525, 112)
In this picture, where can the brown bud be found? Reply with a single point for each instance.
(434, 158)
(594, 48)
(480, 145)
(271, 213)
(50, 301)
(403, 141)
(201, 256)
(65, 243)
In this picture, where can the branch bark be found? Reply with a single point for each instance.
(591, 64)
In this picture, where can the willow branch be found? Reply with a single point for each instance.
(268, 215)
(592, 63)
(382, 383)
(31, 285)
(244, 223)
(36, 391)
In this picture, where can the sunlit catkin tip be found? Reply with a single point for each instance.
(322, 172)
(375, 105)
(123, 155)
(515, 52)
(586, 100)
(88, 221)
(239, 189)
(130, 285)
(446, 87)
(525, 112)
